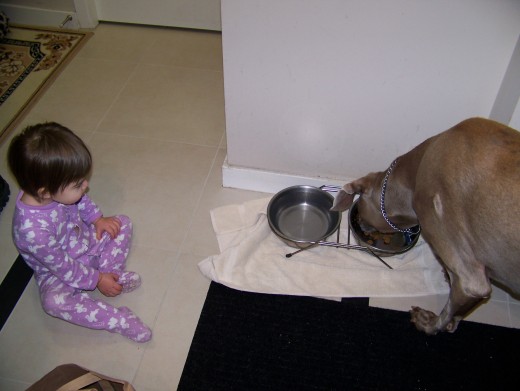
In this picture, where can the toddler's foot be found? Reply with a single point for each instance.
(130, 326)
(129, 281)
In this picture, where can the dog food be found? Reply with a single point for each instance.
(376, 235)
(372, 237)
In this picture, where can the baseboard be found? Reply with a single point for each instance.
(268, 181)
(32, 16)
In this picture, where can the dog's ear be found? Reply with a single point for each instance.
(343, 201)
(345, 197)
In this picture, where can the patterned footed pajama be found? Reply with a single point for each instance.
(59, 243)
(76, 306)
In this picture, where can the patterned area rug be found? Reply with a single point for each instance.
(30, 58)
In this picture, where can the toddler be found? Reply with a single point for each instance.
(63, 236)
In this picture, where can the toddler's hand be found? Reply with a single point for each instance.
(108, 285)
(112, 225)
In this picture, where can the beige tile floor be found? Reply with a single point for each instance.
(149, 102)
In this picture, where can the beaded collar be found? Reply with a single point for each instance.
(411, 230)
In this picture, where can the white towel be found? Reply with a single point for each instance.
(253, 259)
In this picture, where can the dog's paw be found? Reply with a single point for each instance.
(424, 320)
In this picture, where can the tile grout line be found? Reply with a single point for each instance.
(116, 98)
(190, 224)
(158, 139)
(180, 250)
(118, 95)
(181, 245)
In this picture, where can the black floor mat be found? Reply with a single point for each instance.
(12, 288)
(249, 341)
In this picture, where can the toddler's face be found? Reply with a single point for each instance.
(72, 193)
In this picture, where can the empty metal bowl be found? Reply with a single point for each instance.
(301, 215)
(380, 243)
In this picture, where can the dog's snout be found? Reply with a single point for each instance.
(365, 227)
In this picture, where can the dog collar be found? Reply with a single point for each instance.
(411, 230)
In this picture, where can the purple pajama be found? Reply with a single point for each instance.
(59, 243)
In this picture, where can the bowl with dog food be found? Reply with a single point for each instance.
(383, 244)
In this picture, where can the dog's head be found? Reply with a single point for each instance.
(369, 190)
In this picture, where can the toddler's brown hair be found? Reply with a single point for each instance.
(48, 156)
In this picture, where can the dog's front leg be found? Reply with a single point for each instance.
(448, 320)
(469, 287)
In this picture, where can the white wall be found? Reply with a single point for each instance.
(194, 14)
(332, 89)
(63, 5)
(68, 14)
(507, 104)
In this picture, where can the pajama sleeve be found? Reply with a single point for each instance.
(88, 210)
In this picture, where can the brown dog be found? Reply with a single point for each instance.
(463, 188)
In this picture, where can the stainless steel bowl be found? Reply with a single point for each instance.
(301, 215)
(379, 243)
